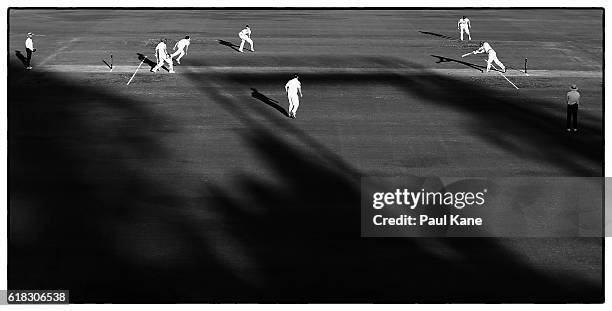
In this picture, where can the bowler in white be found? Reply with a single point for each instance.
(181, 48)
(162, 56)
(245, 35)
(293, 88)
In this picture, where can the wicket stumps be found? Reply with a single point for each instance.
(525, 64)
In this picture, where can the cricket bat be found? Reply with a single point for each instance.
(466, 54)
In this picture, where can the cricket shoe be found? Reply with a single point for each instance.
(171, 71)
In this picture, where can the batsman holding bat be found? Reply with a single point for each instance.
(486, 48)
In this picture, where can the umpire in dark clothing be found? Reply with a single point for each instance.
(573, 99)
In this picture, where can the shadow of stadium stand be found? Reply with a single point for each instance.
(306, 222)
(303, 234)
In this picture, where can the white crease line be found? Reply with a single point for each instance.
(502, 74)
(48, 58)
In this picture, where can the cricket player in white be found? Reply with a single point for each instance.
(293, 87)
(464, 25)
(162, 56)
(486, 48)
(181, 48)
(245, 35)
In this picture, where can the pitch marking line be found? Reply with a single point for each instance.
(143, 60)
(48, 58)
(502, 74)
(65, 46)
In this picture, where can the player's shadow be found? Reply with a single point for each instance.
(149, 62)
(437, 35)
(21, 58)
(442, 59)
(269, 101)
(229, 44)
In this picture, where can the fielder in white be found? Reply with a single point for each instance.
(181, 48)
(162, 56)
(464, 25)
(293, 88)
(245, 35)
(486, 48)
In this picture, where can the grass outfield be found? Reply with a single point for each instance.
(195, 186)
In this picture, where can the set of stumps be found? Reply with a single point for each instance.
(110, 66)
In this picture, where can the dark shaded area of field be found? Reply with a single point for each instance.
(197, 188)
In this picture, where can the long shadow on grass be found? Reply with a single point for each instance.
(92, 207)
(229, 44)
(22, 58)
(437, 35)
(268, 101)
(303, 225)
(442, 59)
(527, 127)
(151, 63)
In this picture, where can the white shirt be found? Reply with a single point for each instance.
(573, 97)
(245, 32)
(160, 49)
(464, 22)
(293, 86)
(485, 48)
(29, 44)
(182, 44)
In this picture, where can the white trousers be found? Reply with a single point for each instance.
(161, 60)
(294, 103)
(180, 54)
(493, 58)
(467, 31)
(247, 39)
